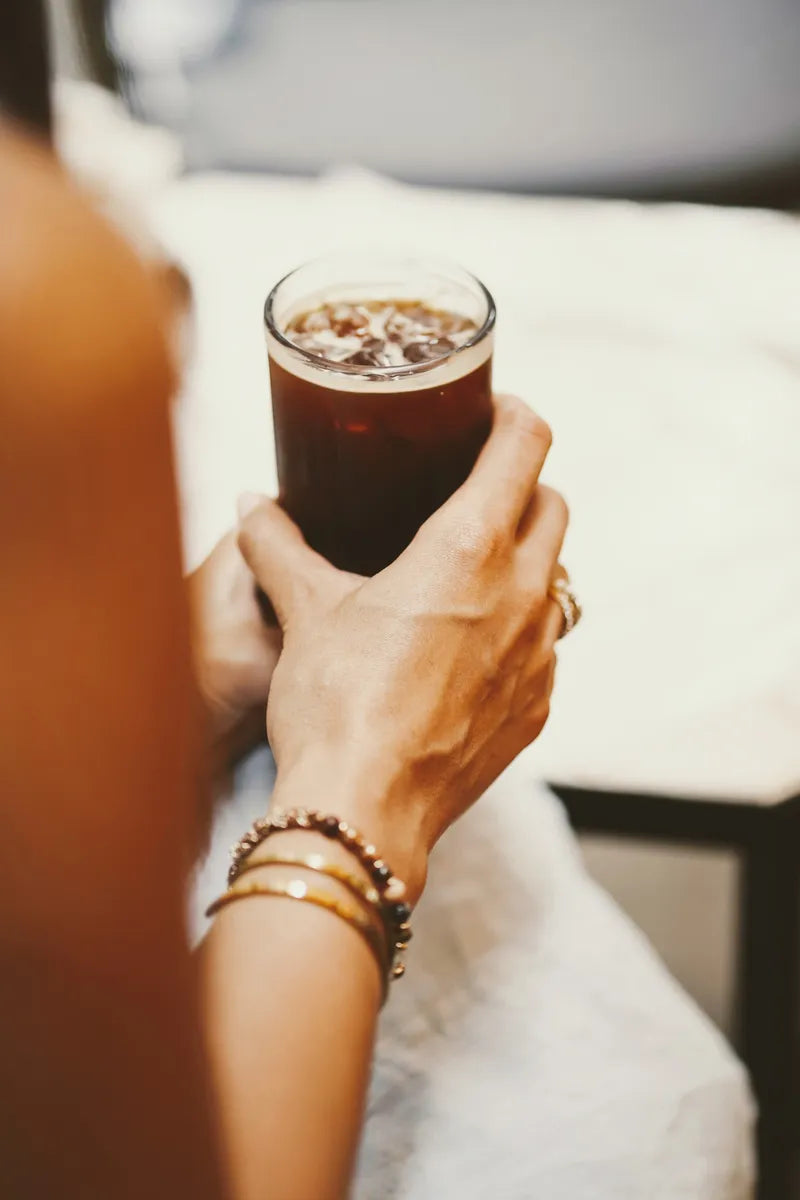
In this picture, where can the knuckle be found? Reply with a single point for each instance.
(536, 718)
(534, 590)
(540, 598)
(533, 427)
(542, 714)
(469, 541)
(246, 541)
(555, 502)
(477, 541)
(513, 410)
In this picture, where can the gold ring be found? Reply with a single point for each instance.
(562, 592)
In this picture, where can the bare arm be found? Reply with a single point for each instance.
(103, 1082)
(292, 997)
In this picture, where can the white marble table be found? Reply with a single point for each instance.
(663, 345)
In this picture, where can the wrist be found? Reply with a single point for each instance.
(393, 827)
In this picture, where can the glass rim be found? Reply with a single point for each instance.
(353, 370)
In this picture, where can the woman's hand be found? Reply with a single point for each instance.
(235, 650)
(397, 700)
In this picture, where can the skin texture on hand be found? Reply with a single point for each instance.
(397, 700)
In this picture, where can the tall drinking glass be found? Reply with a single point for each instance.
(380, 372)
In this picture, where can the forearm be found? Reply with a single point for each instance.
(292, 997)
(102, 1074)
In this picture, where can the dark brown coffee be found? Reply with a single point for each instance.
(380, 409)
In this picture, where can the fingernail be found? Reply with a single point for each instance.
(246, 503)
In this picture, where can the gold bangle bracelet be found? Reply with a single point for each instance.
(319, 864)
(297, 889)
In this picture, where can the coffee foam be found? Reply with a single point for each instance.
(412, 378)
(385, 330)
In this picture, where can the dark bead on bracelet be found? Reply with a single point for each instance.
(330, 827)
(399, 913)
(403, 935)
(380, 872)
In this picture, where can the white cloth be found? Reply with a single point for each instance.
(536, 1048)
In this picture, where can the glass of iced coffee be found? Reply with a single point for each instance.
(380, 371)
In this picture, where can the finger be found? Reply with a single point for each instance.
(564, 610)
(552, 624)
(504, 477)
(541, 535)
(544, 681)
(283, 563)
(543, 708)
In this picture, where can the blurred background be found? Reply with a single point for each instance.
(694, 99)
(688, 100)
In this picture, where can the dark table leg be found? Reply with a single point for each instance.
(768, 997)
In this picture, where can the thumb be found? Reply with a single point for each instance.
(284, 565)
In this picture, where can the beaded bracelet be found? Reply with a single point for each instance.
(297, 889)
(331, 827)
(395, 912)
